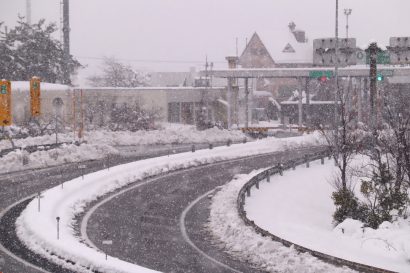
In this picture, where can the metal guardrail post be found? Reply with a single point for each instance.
(307, 161)
(280, 168)
(248, 191)
(257, 184)
(268, 177)
(211, 146)
(322, 161)
(58, 227)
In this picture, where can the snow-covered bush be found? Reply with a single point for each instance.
(382, 197)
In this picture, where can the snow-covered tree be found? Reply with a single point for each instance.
(132, 117)
(30, 50)
(117, 74)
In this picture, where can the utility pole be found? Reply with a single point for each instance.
(348, 12)
(66, 34)
(336, 117)
(28, 12)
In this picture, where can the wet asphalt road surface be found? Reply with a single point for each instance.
(18, 185)
(144, 222)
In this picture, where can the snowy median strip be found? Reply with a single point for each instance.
(242, 242)
(38, 230)
(298, 207)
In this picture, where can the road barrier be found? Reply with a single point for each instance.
(254, 181)
(35, 148)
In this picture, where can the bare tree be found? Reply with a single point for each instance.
(117, 74)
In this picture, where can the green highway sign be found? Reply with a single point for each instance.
(386, 73)
(316, 74)
(383, 57)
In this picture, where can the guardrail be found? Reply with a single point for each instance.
(254, 181)
(35, 148)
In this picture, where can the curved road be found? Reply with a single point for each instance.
(150, 234)
(144, 222)
(19, 185)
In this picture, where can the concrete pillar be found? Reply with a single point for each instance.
(180, 112)
(359, 101)
(194, 112)
(300, 108)
(307, 102)
(232, 64)
(246, 103)
(228, 100)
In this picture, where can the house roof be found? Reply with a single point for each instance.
(284, 48)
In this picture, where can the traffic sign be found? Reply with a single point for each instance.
(35, 102)
(5, 103)
(317, 74)
(386, 73)
(383, 57)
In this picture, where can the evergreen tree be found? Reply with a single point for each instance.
(30, 50)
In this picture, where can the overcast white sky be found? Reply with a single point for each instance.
(184, 31)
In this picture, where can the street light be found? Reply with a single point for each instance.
(348, 12)
(336, 116)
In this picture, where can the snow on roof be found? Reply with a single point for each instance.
(25, 86)
(284, 48)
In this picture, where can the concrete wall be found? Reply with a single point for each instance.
(98, 101)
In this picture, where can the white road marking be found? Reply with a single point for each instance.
(188, 240)
(84, 222)
(12, 255)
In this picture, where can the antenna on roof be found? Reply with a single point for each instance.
(236, 46)
(206, 70)
(28, 12)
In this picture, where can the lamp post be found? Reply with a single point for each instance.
(348, 12)
(336, 117)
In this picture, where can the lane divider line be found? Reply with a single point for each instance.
(188, 240)
(12, 255)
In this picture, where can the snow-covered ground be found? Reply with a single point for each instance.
(38, 229)
(244, 243)
(69, 153)
(168, 133)
(101, 143)
(298, 207)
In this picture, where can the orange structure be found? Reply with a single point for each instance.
(5, 103)
(35, 102)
